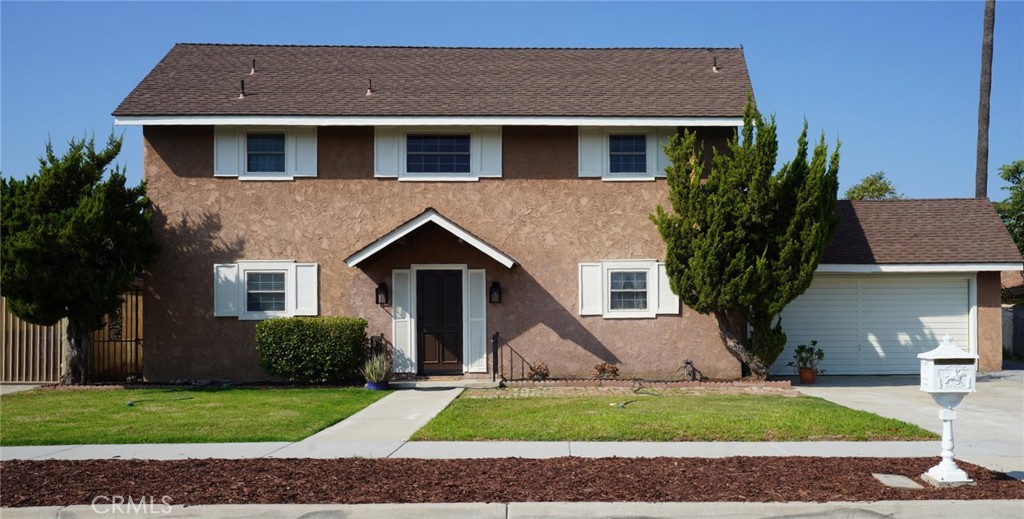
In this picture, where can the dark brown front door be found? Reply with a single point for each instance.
(439, 321)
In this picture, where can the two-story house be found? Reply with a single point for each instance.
(448, 194)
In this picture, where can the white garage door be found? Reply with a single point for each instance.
(876, 323)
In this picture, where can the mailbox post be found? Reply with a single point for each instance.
(947, 374)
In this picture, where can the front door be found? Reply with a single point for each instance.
(439, 321)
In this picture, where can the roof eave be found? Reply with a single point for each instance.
(376, 120)
(923, 268)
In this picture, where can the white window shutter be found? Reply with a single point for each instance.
(306, 295)
(402, 338)
(226, 290)
(227, 150)
(591, 289)
(476, 360)
(489, 151)
(592, 152)
(663, 136)
(385, 152)
(668, 302)
(305, 151)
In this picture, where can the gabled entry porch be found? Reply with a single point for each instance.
(439, 288)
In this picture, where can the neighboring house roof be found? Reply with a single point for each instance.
(936, 231)
(204, 79)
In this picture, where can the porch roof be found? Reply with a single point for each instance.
(430, 215)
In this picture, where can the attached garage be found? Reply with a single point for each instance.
(876, 324)
(898, 276)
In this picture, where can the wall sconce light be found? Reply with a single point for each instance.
(494, 294)
(382, 294)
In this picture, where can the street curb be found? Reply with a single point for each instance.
(721, 510)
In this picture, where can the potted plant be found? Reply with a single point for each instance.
(806, 359)
(377, 370)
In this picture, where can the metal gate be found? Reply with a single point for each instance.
(116, 354)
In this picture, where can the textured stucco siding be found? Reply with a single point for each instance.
(540, 213)
(990, 322)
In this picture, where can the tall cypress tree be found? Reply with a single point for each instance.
(743, 241)
(73, 243)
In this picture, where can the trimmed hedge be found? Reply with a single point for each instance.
(312, 349)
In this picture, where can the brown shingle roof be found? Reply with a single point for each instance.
(964, 230)
(202, 79)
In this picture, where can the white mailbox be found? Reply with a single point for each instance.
(948, 369)
(948, 374)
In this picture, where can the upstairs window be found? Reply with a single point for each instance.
(437, 154)
(265, 153)
(623, 153)
(627, 153)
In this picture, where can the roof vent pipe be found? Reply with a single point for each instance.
(714, 64)
(241, 94)
(369, 87)
(253, 69)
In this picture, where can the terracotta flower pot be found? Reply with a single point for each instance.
(808, 375)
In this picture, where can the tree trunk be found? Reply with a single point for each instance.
(981, 172)
(77, 342)
(738, 348)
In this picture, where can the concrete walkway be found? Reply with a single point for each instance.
(989, 427)
(378, 430)
(7, 389)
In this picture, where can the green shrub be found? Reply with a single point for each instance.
(312, 349)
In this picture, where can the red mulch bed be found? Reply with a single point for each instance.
(265, 481)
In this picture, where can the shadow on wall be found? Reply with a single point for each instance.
(529, 304)
(179, 296)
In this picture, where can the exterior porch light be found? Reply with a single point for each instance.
(494, 294)
(382, 293)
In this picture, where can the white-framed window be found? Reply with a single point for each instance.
(265, 152)
(443, 153)
(254, 289)
(437, 153)
(626, 289)
(623, 154)
(627, 153)
(265, 291)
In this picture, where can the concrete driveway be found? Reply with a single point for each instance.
(989, 426)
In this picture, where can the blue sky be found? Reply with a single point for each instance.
(896, 82)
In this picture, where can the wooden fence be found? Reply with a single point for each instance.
(29, 353)
(32, 353)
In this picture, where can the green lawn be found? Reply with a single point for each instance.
(179, 415)
(710, 417)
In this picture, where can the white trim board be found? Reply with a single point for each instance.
(322, 120)
(919, 267)
(429, 216)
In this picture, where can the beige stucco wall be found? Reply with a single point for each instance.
(990, 322)
(540, 213)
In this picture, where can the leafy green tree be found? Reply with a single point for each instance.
(1011, 210)
(874, 187)
(72, 243)
(744, 241)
